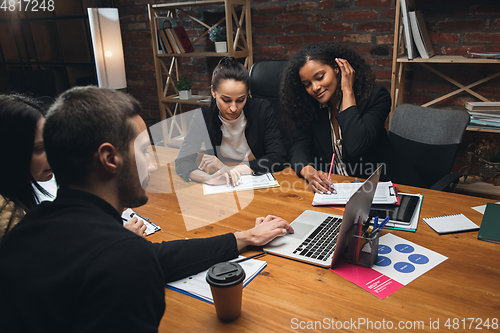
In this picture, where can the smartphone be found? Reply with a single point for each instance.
(401, 214)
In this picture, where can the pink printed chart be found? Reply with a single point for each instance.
(399, 262)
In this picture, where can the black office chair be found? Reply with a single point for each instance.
(265, 78)
(429, 139)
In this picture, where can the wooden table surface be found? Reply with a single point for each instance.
(460, 294)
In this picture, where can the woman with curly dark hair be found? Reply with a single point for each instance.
(328, 93)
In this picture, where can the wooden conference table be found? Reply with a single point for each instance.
(463, 291)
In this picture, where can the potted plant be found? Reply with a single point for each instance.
(184, 85)
(218, 36)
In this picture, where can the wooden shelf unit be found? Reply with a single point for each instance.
(239, 45)
(400, 61)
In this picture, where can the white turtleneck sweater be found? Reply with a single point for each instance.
(234, 143)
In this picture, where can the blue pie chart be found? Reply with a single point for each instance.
(383, 261)
(404, 248)
(404, 267)
(418, 259)
(384, 249)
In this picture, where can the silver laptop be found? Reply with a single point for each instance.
(319, 238)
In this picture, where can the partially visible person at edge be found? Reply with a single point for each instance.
(69, 265)
(236, 129)
(328, 94)
(21, 123)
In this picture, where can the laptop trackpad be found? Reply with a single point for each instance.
(301, 229)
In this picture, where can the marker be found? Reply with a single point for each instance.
(375, 223)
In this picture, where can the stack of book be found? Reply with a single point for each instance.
(415, 32)
(484, 114)
(171, 39)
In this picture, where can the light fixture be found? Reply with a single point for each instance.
(108, 48)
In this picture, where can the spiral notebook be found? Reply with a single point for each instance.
(450, 224)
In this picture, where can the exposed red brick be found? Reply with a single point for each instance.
(294, 49)
(289, 18)
(373, 3)
(358, 15)
(490, 9)
(127, 19)
(134, 10)
(288, 39)
(143, 2)
(140, 43)
(137, 26)
(260, 40)
(302, 6)
(269, 29)
(326, 5)
(375, 26)
(460, 50)
(461, 25)
(363, 50)
(388, 13)
(496, 24)
(265, 9)
(320, 38)
(355, 38)
(141, 59)
(443, 38)
(270, 50)
(331, 16)
(129, 35)
(381, 74)
(336, 27)
(385, 39)
(384, 62)
(481, 37)
(298, 28)
(262, 19)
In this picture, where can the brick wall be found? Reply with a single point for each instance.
(280, 28)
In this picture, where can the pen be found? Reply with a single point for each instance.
(251, 257)
(375, 223)
(331, 166)
(381, 225)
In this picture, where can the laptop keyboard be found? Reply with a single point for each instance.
(321, 242)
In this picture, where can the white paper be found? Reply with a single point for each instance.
(482, 208)
(384, 194)
(151, 228)
(197, 286)
(247, 182)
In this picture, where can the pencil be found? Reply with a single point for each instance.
(251, 257)
(331, 165)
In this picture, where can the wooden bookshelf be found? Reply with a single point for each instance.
(400, 61)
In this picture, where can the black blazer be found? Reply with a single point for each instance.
(262, 134)
(365, 143)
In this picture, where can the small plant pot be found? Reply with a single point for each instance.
(185, 94)
(221, 47)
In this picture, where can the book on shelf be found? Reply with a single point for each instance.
(161, 22)
(483, 54)
(483, 106)
(420, 34)
(165, 42)
(406, 7)
(184, 39)
(177, 41)
(172, 41)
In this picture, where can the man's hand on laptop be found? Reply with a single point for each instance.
(265, 230)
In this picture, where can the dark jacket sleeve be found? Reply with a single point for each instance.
(197, 134)
(265, 133)
(362, 125)
(300, 150)
(182, 258)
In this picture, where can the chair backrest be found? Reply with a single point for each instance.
(265, 79)
(428, 138)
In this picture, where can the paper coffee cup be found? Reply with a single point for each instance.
(226, 283)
